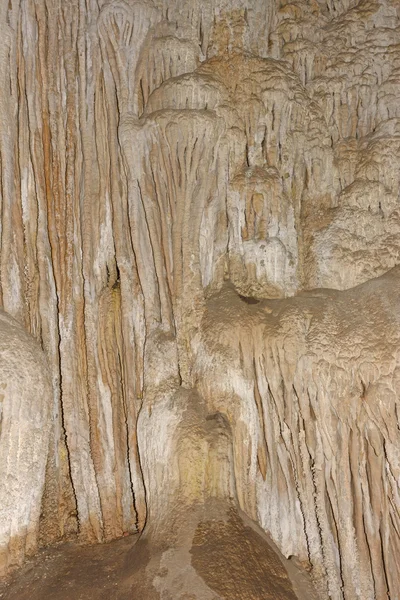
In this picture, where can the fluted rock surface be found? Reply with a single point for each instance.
(174, 177)
(321, 472)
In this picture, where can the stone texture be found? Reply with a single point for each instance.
(197, 543)
(175, 178)
(25, 425)
(321, 472)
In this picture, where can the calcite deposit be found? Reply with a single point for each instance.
(25, 417)
(200, 226)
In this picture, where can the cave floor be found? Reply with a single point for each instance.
(107, 571)
(73, 572)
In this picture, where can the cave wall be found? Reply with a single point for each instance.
(162, 163)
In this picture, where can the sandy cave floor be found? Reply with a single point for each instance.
(99, 572)
(72, 572)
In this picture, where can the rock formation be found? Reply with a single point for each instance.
(25, 417)
(200, 225)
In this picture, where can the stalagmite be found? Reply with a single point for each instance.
(200, 225)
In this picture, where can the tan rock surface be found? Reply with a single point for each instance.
(174, 177)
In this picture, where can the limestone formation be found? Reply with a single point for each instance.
(198, 543)
(200, 225)
(25, 418)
